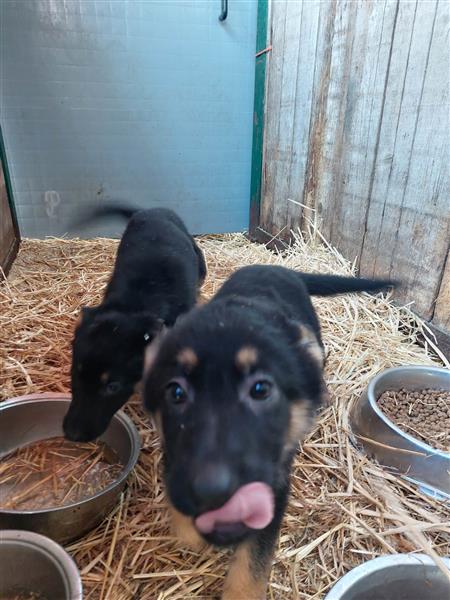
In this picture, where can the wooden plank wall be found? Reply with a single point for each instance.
(357, 136)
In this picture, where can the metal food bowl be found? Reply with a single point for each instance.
(33, 564)
(392, 447)
(32, 418)
(394, 577)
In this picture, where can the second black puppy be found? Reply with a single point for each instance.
(234, 387)
(158, 271)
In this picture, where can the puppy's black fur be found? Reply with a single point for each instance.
(156, 277)
(235, 386)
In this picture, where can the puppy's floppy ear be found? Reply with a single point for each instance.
(152, 350)
(104, 320)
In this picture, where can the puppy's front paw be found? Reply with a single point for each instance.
(183, 529)
(242, 594)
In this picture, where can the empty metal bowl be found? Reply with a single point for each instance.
(394, 577)
(33, 564)
(31, 418)
(391, 446)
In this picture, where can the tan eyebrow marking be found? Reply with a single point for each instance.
(104, 377)
(187, 358)
(246, 358)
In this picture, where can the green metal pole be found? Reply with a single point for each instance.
(258, 114)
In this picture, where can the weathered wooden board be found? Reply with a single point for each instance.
(350, 163)
(357, 135)
(310, 53)
(408, 228)
(273, 102)
(285, 141)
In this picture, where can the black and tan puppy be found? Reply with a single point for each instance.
(158, 271)
(234, 387)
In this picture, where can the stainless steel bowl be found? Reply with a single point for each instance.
(391, 446)
(32, 418)
(30, 562)
(398, 576)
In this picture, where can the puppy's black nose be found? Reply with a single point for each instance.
(213, 486)
(74, 433)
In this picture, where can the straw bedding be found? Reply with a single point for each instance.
(343, 509)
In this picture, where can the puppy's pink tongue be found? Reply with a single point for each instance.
(252, 504)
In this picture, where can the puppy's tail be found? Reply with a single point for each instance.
(116, 209)
(331, 285)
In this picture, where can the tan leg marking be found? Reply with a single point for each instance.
(243, 582)
(183, 528)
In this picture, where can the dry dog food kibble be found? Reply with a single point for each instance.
(424, 414)
(55, 472)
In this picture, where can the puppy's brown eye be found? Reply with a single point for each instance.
(176, 394)
(261, 390)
